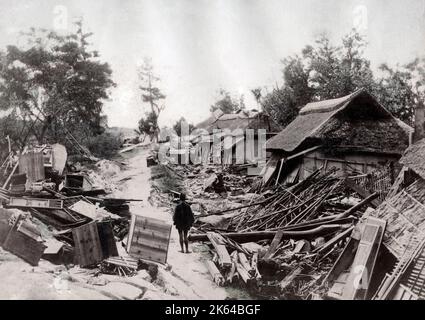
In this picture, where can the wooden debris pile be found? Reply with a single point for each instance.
(300, 231)
(319, 196)
(238, 266)
(81, 223)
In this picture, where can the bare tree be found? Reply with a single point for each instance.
(151, 93)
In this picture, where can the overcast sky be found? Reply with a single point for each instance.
(198, 46)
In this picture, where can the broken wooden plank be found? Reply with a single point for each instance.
(274, 245)
(289, 279)
(263, 235)
(361, 191)
(334, 240)
(6, 183)
(215, 273)
(35, 203)
(244, 274)
(245, 263)
(364, 261)
(231, 274)
(127, 262)
(358, 206)
(223, 255)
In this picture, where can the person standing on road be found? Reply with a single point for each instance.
(183, 219)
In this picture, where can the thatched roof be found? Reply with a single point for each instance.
(414, 158)
(356, 121)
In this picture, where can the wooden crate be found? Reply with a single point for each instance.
(149, 239)
(23, 245)
(88, 248)
(32, 163)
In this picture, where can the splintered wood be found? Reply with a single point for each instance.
(306, 226)
(313, 197)
(220, 248)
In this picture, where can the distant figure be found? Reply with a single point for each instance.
(183, 219)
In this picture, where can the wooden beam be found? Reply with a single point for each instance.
(358, 206)
(273, 246)
(263, 235)
(10, 176)
(361, 191)
(223, 254)
(215, 273)
(284, 284)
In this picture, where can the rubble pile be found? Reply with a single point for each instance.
(280, 242)
(318, 197)
(61, 211)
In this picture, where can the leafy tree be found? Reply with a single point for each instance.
(326, 71)
(177, 127)
(54, 84)
(283, 103)
(280, 105)
(335, 71)
(242, 105)
(225, 103)
(401, 89)
(148, 125)
(151, 93)
(257, 93)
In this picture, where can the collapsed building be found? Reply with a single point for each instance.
(344, 216)
(354, 134)
(404, 238)
(236, 138)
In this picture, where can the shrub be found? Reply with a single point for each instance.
(104, 145)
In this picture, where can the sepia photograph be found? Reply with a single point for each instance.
(235, 151)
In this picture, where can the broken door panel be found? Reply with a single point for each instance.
(149, 239)
(32, 164)
(87, 244)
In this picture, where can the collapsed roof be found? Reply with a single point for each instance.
(244, 120)
(413, 158)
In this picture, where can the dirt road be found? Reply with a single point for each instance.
(188, 278)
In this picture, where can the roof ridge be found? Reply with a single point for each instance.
(329, 104)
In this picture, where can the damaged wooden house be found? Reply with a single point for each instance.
(226, 138)
(354, 135)
(404, 238)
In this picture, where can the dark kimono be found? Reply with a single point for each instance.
(183, 216)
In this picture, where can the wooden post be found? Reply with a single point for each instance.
(215, 273)
(10, 176)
